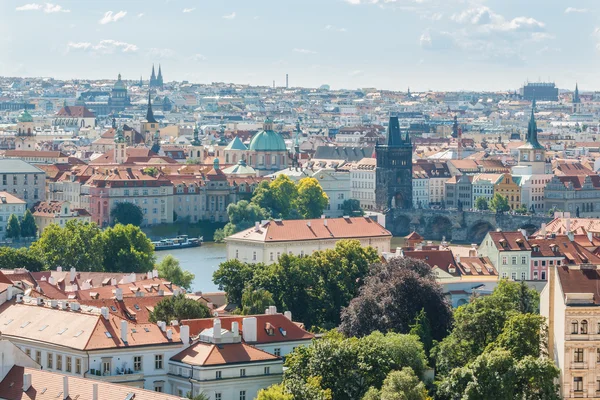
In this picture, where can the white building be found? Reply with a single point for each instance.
(483, 186)
(362, 182)
(509, 252)
(532, 187)
(266, 242)
(10, 204)
(22, 180)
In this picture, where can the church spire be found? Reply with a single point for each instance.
(159, 78)
(455, 127)
(532, 138)
(150, 114)
(153, 75)
(576, 98)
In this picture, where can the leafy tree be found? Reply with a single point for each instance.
(274, 392)
(481, 203)
(170, 270)
(348, 367)
(524, 335)
(522, 209)
(263, 196)
(28, 226)
(372, 394)
(219, 235)
(403, 385)
(77, 244)
(352, 208)
(231, 277)
(127, 213)
(20, 258)
(393, 295)
(127, 249)
(178, 308)
(284, 193)
(499, 203)
(256, 301)
(422, 329)
(13, 228)
(151, 171)
(311, 200)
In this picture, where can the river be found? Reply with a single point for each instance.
(201, 261)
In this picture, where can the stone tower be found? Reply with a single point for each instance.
(120, 147)
(394, 169)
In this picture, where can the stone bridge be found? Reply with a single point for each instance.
(458, 226)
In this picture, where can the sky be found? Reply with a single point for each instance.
(388, 44)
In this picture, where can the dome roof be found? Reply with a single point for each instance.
(241, 168)
(25, 117)
(119, 84)
(267, 139)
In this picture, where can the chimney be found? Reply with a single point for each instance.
(132, 277)
(10, 292)
(104, 312)
(472, 252)
(457, 258)
(39, 301)
(72, 274)
(184, 334)
(217, 330)
(256, 226)
(53, 303)
(65, 387)
(235, 328)
(571, 236)
(19, 298)
(324, 222)
(51, 280)
(524, 233)
(162, 325)
(26, 382)
(95, 391)
(58, 269)
(273, 310)
(174, 322)
(544, 230)
(249, 329)
(155, 273)
(590, 237)
(63, 304)
(119, 294)
(113, 282)
(124, 331)
(170, 334)
(568, 225)
(308, 223)
(288, 315)
(267, 311)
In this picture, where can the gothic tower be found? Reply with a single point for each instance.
(394, 169)
(120, 147)
(532, 153)
(576, 101)
(159, 78)
(152, 78)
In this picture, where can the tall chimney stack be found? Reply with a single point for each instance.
(65, 387)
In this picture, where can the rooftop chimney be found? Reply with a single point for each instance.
(39, 301)
(273, 310)
(288, 315)
(119, 294)
(170, 334)
(324, 222)
(51, 280)
(72, 274)
(132, 277)
(457, 258)
(104, 312)
(162, 325)
(184, 334)
(65, 387)
(155, 273)
(113, 281)
(235, 328)
(58, 269)
(217, 329)
(568, 225)
(95, 391)
(544, 229)
(249, 329)
(26, 382)
(590, 237)
(256, 226)
(124, 331)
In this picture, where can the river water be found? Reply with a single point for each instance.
(201, 261)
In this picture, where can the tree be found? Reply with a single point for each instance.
(151, 171)
(199, 396)
(170, 270)
(77, 244)
(393, 295)
(274, 392)
(20, 258)
(127, 249)
(231, 276)
(178, 308)
(256, 301)
(311, 200)
(348, 367)
(28, 226)
(351, 207)
(422, 329)
(127, 213)
(13, 229)
(499, 203)
(522, 209)
(481, 203)
(284, 193)
(403, 385)
(524, 335)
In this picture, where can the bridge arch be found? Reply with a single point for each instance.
(478, 230)
(401, 225)
(439, 227)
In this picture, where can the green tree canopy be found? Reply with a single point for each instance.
(311, 200)
(77, 244)
(127, 213)
(127, 249)
(392, 297)
(13, 228)
(28, 226)
(499, 203)
(285, 193)
(481, 203)
(348, 367)
(178, 308)
(256, 301)
(403, 385)
(242, 215)
(170, 269)
(351, 207)
(275, 392)
(20, 258)
(231, 276)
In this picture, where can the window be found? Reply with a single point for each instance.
(254, 256)
(68, 366)
(137, 363)
(574, 328)
(271, 256)
(28, 352)
(242, 395)
(218, 396)
(514, 260)
(242, 371)
(578, 384)
(158, 361)
(78, 366)
(217, 374)
(584, 327)
(535, 275)
(578, 355)
(59, 362)
(523, 260)
(50, 360)
(513, 276)
(504, 260)
(543, 263)
(158, 388)
(105, 367)
(38, 357)
(268, 369)
(543, 275)
(523, 276)
(277, 352)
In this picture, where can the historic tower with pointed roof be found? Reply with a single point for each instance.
(394, 169)
(532, 153)
(156, 81)
(150, 127)
(120, 146)
(576, 100)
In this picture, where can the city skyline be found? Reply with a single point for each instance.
(391, 44)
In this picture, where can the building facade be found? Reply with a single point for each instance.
(22, 180)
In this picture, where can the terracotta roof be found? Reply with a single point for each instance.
(580, 281)
(49, 386)
(34, 153)
(149, 287)
(442, 259)
(578, 225)
(137, 309)
(313, 229)
(413, 236)
(279, 322)
(75, 112)
(476, 266)
(10, 199)
(574, 253)
(207, 354)
(510, 241)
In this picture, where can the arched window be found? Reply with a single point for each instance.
(574, 327)
(584, 327)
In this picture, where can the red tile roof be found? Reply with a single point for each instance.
(510, 241)
(75, 112)
(580, 281)
(205, 354)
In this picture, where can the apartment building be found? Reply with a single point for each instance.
(510, 252)
(9, 205)
(22, 180)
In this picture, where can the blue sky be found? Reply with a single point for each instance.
(393, 44)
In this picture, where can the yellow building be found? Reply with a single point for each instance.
(57, 212)
(508, 186)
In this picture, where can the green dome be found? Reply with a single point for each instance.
(25, 117)
(267, 139)
(119, 84)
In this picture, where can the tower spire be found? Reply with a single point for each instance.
(532, 137)
(576, 98)
(150, 114)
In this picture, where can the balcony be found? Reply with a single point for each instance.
(579, 365)
(121, 376)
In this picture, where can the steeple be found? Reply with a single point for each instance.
(408, 93)
(576, 98)
(532, 138)
(196, 141)
(150, 114)
(394, 137)
(455, 127)
(119, 138)
(141, 81)
(153, 76)
(159, 78)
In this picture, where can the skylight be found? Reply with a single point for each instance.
(108, 335)
(25, 324)
(43, 327)
(113, 308)
(62, 331)
(78, 334)
(147, 330)
(8, 322)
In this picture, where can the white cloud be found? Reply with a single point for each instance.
(188, 10)
(356, 72)
(197, 58)
(229, 16)
(48, 8)
(489, 21)
(570, 10)
(110, 17)
(140, 15)
(107, 46)
(335, 28)
(304, 51)
(154, 53)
